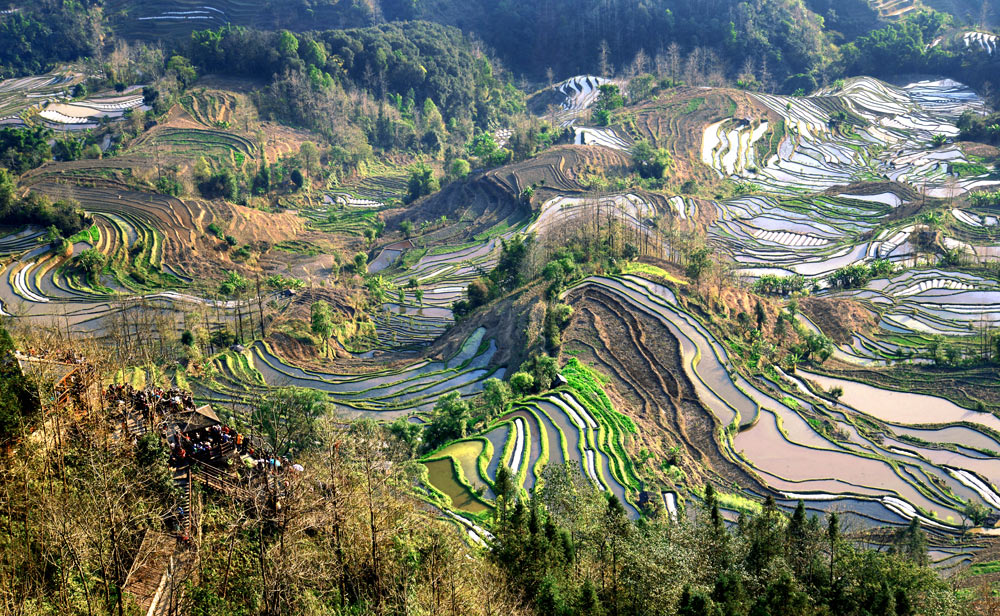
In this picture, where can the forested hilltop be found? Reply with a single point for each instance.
(777, 45)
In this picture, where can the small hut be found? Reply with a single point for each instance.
(201, 418)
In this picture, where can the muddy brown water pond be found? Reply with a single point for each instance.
(441, 474)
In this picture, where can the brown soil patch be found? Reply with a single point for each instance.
(972, 148)
(904, 191)
(838, 318)
(248, 224)
(177, 117)
(513, 321)
(677, 122)
(642, 360)
(283, 141)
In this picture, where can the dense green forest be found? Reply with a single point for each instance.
(406, 63)
(49, 32)
(982, 128)
(571, 34)
(64, 217)
(845, 18)
(781, 44)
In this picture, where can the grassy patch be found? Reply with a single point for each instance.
(589, 384)
(410, 257)
(494, 231)
(984, 568)
(349, 221)
(136, 377)
(443, 250)
(694, 104)
(180, 379)
(737, 502)
(765, 148)
(91, 236)
(652, 270)
(299, 247)
(964, 170)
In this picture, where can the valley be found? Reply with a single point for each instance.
(364, 289)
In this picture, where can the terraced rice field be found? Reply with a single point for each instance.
(730, 146)
(973, 219)
(138, 19)
(984, 42)
(927, 456)
(578, 94)
(442, 274)
(176, 17)
(442, 475)
(221, 149)
(47, 100)
(333, 218)
(349, 200)
(85, 114)
(241, 378)
(883, 145)
(869, 167)
(631, 210)
(893, 8)
(212, 108)
(917, 303)
(809, 236)
(606, 137)
(886, 456)
(19, 97)
(387, 187)
(885, 137)
(146, 240)
(574, 424)
(776, 428)
(350, 207)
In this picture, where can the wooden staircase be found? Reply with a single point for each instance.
(160, 568)
(145, 579)
(163, 562)
(135, 426)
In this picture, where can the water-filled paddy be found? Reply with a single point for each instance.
(441, 475)
(902, 408)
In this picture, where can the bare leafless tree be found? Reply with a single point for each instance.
(604, 61)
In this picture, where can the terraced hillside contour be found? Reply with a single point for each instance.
(575, 424)
(878, 167)
(48, 100)
(174, 19)
(242, 378)
(885, 135)
(790, 438)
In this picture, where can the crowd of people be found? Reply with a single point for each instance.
(209, 444)
(78, 383)
(151, 402)
(217, 444)
(221, 445)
